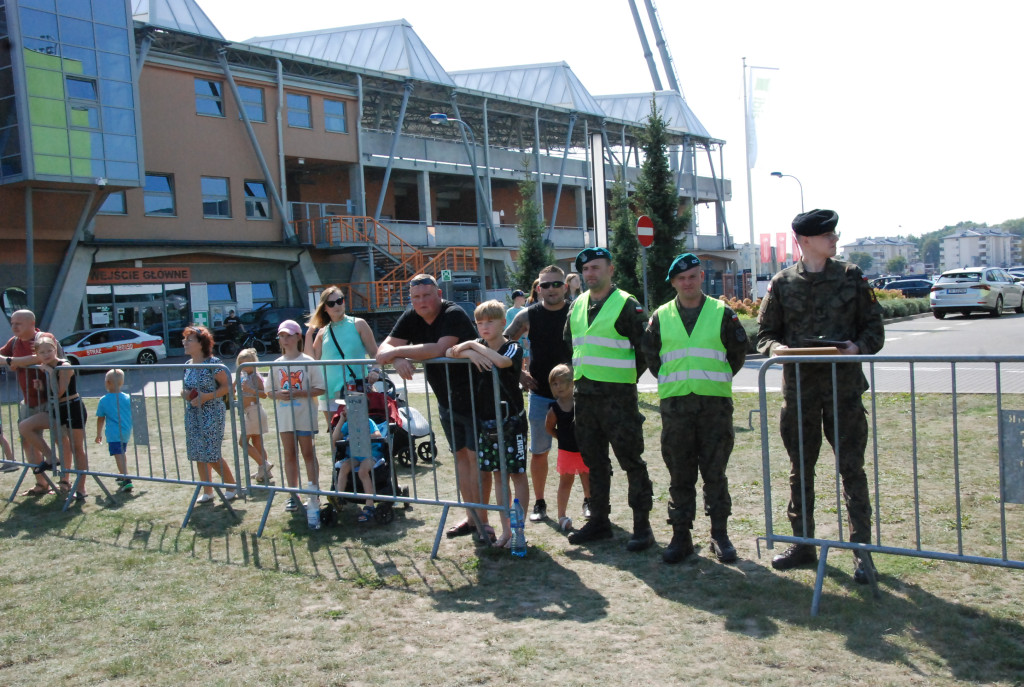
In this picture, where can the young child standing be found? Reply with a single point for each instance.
(365, 463)
(561, 424)
(295, 390)
(492, 350)
(253, 390)
(117, 406)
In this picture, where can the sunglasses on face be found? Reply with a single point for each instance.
(551, 284)
(336, 301)
(423, 281)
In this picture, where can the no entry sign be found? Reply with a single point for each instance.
(644, 231)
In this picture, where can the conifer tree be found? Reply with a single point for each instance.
(534, 252)
(625, 249)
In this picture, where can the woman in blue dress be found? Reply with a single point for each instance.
(340, 337)
(204, 390)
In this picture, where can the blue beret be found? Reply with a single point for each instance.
(588, 254)
(681, 264)
(815, 222)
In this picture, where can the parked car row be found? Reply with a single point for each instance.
(973, 289)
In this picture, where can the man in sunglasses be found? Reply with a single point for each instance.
(822, 300)
(425, 331)
(604, 331)
(542, 324)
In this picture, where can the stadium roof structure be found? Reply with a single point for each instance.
(636, 107)
(552, 83)
(176, 15)
(391, 47)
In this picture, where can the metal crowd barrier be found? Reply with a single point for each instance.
(420, 471)
(953, 493)
(157, 450)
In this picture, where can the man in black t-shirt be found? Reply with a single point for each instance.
(425, 331)
(542, 324)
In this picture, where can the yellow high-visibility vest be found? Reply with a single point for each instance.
(693, 363)
(598, 351)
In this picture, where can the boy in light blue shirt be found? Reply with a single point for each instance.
(117, 406)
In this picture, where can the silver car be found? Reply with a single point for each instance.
(988, 289)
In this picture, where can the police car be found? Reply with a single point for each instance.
(113, 346)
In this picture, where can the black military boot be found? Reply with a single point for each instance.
(594, 529)
(723, 548)
(681, 546)
(795, 556)
(643, 535)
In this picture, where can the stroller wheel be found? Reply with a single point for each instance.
(401, 456)
(384, 513)
(427, 450)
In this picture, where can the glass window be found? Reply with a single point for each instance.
(117, 93)
(115, 66)
(38, 24)
(123, 170)
(82, 116)
(218, 292)
(118, 121)
(216, 201)
(299, 113)
(209, 98)
(109, 12)
(158, 197)
(115, 204)
(39, 4)
(334, 116)
(74, 8)
(81, 89)
(262, 292)
(79, 60)
(120, 148)
(112, 39)
(257, 204)
(252, 101)
(76, 32)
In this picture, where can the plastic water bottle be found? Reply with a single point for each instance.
(518, 520)
(313, 509)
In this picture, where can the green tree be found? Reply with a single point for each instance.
(534, 252)
(896, 265)
(929, 250)
(625, 249)
(862, 260)
(657, 197)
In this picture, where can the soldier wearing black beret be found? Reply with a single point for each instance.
(822, 298)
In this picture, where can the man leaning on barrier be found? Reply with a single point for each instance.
(695, 345)
(604, 331)
(823, 298)
(425, 331)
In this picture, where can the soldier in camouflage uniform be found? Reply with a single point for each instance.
(604, 331)
(695, 345)
(820, 297)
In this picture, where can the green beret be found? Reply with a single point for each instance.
(588, 254)
(682, 263)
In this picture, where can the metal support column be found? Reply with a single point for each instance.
(407, 90)
(561, 173)
(539, 191)
(30, 252)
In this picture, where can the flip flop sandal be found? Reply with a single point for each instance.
(463, 529)
(38, 490)
(64, 488)
(488, 536)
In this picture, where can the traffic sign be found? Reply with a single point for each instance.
(446, 275)
(644, 231)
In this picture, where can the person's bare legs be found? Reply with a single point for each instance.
(564, 491)
(309, 458)
(469, 487)
(538, 475)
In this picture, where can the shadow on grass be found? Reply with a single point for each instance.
(756, 601)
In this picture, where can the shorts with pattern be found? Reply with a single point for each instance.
(514, 434)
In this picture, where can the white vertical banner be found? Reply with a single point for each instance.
(597, 192)
(243, 296)
(758, 85)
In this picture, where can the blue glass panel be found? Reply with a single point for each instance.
(83, 116)
(120, 148)
(109, 12)
(262, 291)
(218, 292)
(118, 121)
(9, 144)
(75, 8)
(38, 24)
(76, 32)
(123, 170)
(158, 183)
(115, 67)
(79, 60)
(114, 204)
(10, 166)
(117, 93)
(38, 4)
(214, 186)
(112, 39)
(46, 47)
(81, 89)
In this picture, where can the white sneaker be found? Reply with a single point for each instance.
(565, 523)
(204, 498)
(230, 495)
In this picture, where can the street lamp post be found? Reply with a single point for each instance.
(442, 118)
(780, 175)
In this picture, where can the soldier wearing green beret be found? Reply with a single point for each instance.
(604, 331)
(822, 298)
(695, 345)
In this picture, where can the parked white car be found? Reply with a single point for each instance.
(970, 289)
(113, 346)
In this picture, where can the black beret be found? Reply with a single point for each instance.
(815, 222)
(588, 254)
(517, 293)
(682, 263)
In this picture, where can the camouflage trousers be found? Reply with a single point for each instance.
(818, 413)
(615, 420)
(697, 436)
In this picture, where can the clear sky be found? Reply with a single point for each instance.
(901, 116)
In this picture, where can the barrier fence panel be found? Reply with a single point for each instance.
(157, 450)
(944, 490)
(410, 418)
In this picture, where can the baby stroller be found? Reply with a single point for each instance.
(406, 426)
(382, 478)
